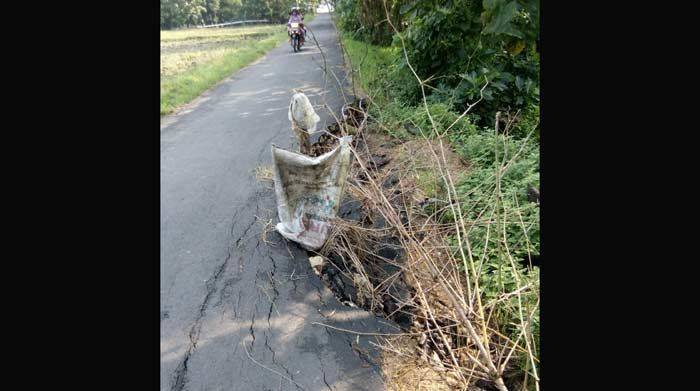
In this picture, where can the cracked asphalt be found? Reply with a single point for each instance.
(237, 301)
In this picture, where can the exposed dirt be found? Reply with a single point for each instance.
(366, 265)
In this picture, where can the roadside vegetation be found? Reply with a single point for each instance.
(463, 78)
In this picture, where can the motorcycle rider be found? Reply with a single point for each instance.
(296, 17)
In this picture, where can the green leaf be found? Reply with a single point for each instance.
(508, 77)
(491, 4)
(501, 18)
(406, 8)
(519, 83)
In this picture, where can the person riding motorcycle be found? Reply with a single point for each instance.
(296, 17)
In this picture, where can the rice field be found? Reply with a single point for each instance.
(193, 60)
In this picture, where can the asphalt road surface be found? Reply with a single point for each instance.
(238, 302)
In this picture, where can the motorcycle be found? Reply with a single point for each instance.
(296, 38)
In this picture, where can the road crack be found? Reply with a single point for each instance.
(180, 374)
(324, 374)
(274, 361)
(252, 326)
(274, 289)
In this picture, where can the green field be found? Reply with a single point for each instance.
(193, 60)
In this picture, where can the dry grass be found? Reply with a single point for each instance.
(454, 341)
(460, 341)
(460, 345)
(264, 174)
(405, 370)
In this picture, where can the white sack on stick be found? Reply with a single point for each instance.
(301, 111)
(308, 191)
(304, 120)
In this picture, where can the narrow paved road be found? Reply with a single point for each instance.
(238, 305)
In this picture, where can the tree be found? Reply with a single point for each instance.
(194, 11)
(230, 10)
(211, 15)
(367, 18)
(460, 45)
(177, 13)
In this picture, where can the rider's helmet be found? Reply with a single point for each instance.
(295, 10)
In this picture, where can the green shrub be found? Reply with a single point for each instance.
(460, 46)
(487, 212)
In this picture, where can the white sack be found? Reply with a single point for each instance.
(309, 191)
(301, 111)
